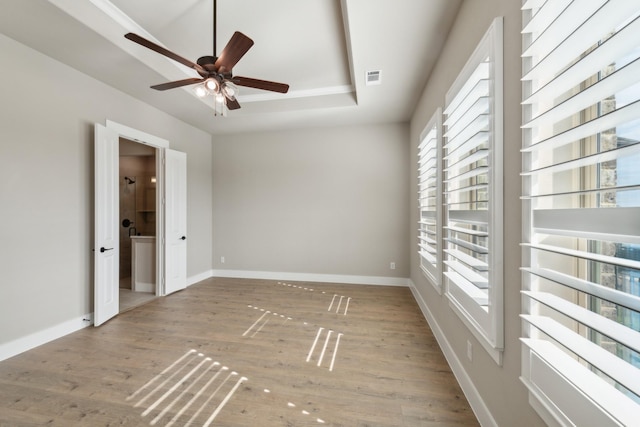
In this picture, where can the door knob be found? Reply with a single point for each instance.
(103, 249)
(183, 238)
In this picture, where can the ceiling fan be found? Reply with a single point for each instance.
(215, 72)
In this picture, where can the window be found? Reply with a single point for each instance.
(430, 200)
(473, 192)
(581, 158)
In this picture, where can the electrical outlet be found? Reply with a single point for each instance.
(469, 351)
(222, 259)
(392, 265)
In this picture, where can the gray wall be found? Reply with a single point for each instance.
(47, 111)
(321, 201)
(499, 386)
(325, 201)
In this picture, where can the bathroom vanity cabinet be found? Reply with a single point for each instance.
(143, 263)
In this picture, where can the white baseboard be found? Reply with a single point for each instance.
(310, 277)
(191, 280)
(471, 393)
(20, 345)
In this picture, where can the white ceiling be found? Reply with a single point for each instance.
(321, 48)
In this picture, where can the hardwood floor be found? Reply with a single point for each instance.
(130, 299)
(233, 352)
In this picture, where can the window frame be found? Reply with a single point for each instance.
(433, 130)
(563, 386)
(486, 323)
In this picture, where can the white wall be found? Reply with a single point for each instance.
(328, 201)
(47, 111)
(498, 386)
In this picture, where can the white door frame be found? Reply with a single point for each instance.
(160, 144)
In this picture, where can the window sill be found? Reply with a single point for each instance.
(437, 284)
(569, 393)
(476, 329)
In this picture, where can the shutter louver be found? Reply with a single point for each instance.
(581, 157)
(430, 200)
(472, 188)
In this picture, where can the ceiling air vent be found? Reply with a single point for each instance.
(373, 77)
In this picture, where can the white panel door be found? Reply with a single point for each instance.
(175, 246)
(106, 239)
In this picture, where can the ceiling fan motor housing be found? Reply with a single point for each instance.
(214, 68)
(208, 63)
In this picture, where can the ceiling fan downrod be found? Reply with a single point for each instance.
(215, 9)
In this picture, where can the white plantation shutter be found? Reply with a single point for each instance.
(473, 192)
(581, 159)
(430, 200)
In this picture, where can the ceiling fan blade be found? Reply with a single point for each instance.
(177, 83)
(233, 104)
(232, 52)
(161, 50)
(261, 84)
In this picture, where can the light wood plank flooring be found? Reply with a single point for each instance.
(130, 299)
(233, 352)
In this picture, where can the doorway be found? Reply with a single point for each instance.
(170, 217)
(137, 219)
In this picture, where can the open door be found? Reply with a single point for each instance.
(106, 239)
(175, 245)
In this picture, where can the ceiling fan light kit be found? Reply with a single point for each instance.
(221, 91)
(216, 77)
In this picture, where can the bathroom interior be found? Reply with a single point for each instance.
(137, 182)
